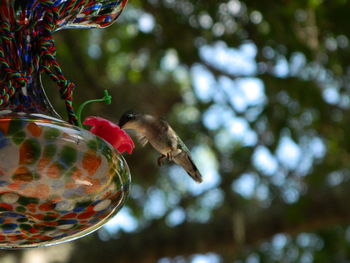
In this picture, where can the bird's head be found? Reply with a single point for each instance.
(129, 120)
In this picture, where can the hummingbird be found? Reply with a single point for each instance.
(163, 139)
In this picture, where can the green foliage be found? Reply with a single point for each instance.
(296, 208)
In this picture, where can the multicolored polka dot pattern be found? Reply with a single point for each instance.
(57, 182)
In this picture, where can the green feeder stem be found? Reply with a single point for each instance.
(107, 99)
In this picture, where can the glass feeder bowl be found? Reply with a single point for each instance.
(57, 182)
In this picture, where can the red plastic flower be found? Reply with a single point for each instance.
(110, 132)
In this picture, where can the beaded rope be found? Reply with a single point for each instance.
(14, 78)
(46, 57)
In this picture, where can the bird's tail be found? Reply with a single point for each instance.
(189, 166)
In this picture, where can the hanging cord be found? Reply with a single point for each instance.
(48, 62)
(14, 79)
(46, 57)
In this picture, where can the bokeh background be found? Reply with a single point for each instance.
(259, 91)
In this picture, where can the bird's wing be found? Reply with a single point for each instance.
(182, 146)
(166, 133)
(161, 125)
(141, 139)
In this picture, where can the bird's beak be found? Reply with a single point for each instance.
(130, 125)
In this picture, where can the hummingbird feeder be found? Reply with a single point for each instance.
(58, 181)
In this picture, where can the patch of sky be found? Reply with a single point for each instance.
(331, 95)
(331, 44)
(94, 50)
(268, 52)
(291, 191)
(197, 258)
(172, 197)
(236, 132)
(180, 179)
(203, 83)
(262, 192)
(344, 101)
(306, 257)
(307, 118)
(182, 76)
(218, 29)
(243, 92)
(215, 116)
(205, 20)
(246, 184)
(177, 259)
(310, 240)
(318, 72)
(206, 258)
(236, 61)
(306, 240)
(235, 129)
(281, 68)
(176, 217)
(317, 147)
(170, 61)
(335, 178)
(297, 63)
(288, 153)
(234, 7)
(224, 141)
(198, 214)
(278, 246)
(279, 241)
(136, 191)
(252, 90)
(146, 23)
(343, 41)
(264, 161)
(212, 199)
(256, 17)
(240, 130)
(185, 8)
(292, 252)
(305, 165)
(251, 114)
(253, 258)
(278, 178)
(155, 206)
(95, 38)
(312, 148)
(220, 97)
(169, 3)
(123, 220)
